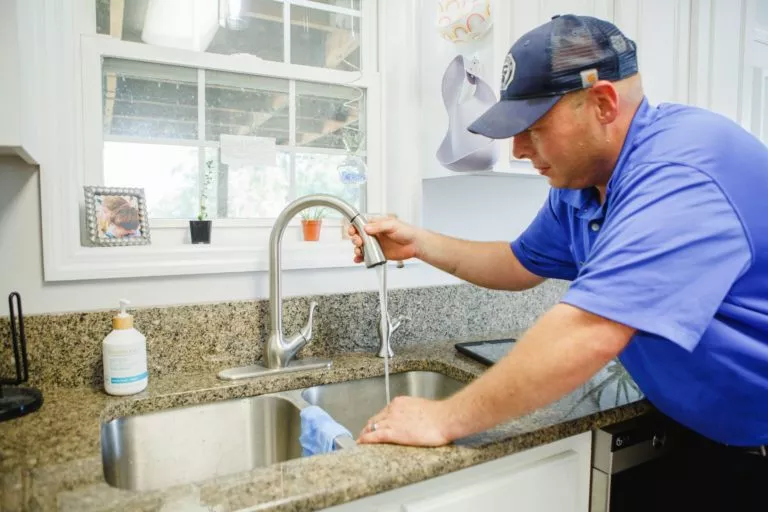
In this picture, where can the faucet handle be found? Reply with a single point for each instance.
(306, 332)
(393, 326)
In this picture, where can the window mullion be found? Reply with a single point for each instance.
(287, 32)
(292, 107)
(200, 133)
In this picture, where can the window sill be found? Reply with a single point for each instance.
(90, 263)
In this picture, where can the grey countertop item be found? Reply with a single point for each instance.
(50, 460)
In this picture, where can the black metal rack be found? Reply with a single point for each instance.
(16, 400)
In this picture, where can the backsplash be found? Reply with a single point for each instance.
(65, 350)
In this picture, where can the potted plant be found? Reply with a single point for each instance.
(200, 229)
(311, 222)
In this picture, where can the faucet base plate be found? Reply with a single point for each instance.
(257, 370)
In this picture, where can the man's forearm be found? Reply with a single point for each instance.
(564, 349)
(487, 264)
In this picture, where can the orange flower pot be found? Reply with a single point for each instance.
(311, 229)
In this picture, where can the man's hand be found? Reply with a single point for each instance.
(398, 240)
(408, 421)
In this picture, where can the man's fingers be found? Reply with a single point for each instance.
(383, 226)
(380, 435)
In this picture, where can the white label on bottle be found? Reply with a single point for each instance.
(127, 365)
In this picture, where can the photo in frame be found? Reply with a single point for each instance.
(116, 216)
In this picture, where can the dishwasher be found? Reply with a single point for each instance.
(632, 465)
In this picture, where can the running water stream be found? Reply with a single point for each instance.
(381, 272)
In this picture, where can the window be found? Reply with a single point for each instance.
(323, 33)
(123, 109)
(166, 103)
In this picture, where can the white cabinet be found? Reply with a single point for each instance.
(550, 478)
(661, 30)
(20, 87)
(729, 60)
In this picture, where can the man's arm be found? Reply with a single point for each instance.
(563, 350)
(487, 264)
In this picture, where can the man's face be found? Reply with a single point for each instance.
(563, 144)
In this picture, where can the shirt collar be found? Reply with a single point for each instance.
(580, 198)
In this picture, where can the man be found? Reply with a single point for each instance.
(659, 217)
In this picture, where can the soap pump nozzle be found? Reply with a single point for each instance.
(123, 320)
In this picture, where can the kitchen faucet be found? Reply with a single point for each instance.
(279, 350)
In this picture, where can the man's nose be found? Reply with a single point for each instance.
(521, 146)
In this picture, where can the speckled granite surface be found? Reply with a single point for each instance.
(65, 350)
(50, 460)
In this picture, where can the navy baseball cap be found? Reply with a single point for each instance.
(565, 54)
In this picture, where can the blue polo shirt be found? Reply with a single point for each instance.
(679, 251)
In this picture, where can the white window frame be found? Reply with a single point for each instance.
(74, 136)
(755, 84)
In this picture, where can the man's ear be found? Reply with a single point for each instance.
(605, 99)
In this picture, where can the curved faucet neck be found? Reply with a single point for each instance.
(275, 241)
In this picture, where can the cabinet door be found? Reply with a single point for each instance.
(754, 112)
(661, 30)
(550, 478)
(548, 485)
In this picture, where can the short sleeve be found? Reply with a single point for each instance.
(670, 250)
(544, 247)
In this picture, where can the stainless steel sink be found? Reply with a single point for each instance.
(195, 443)
(351, 403)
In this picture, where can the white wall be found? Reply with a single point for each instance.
(485, 208)
(9, 85)
(436, 54)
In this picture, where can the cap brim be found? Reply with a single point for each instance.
(507, 118)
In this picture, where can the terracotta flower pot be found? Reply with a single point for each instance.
(311, 229)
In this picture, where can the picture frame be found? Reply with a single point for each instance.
(116, 216)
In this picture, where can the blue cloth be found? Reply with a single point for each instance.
(679, 251)
(318, 431)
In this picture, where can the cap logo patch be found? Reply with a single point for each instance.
(507, 71)
(618, 43)
(588, 77)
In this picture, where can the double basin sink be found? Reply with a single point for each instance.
(195, 443)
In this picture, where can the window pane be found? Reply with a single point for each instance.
(216, 26)
(325, 39)
(168, 174)
(245, 105)
(330, 116)
(149, 100)
(254, 192)
(318, 174)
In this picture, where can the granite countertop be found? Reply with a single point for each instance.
(50, 460)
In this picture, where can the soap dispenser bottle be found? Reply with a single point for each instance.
(125, 356)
